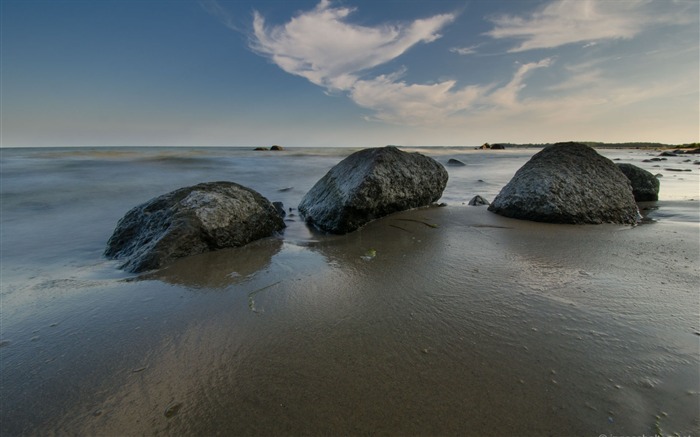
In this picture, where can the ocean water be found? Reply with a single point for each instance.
(59, 206)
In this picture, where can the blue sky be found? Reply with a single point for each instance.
(348, 72)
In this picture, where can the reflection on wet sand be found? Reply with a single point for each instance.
(460, 323)
(221, 268)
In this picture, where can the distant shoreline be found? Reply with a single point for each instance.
(602, 145)
(594, 144)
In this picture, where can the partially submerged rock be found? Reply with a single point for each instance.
(370, 184)
(568, 183)
(191, 220)
(645, 186)
(455, 162)
(478, 201)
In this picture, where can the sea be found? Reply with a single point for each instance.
(59, 206)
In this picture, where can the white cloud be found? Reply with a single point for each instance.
(396, 101)
(507, 96)
(468, 50)
(321, 46)
(324, 47)
(576, 21)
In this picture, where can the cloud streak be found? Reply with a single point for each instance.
(469, 50)
(564, 22)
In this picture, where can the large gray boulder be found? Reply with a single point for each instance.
(191, 220)
(568, 183)
(370, 184)
(645, 186)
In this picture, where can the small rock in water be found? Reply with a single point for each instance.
(478, 201)
(172, 409)
(455, 162)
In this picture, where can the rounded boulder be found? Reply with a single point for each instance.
(370, 184)
(191, 220)
(645, 186)
(568, 183)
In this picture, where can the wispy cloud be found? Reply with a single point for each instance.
(507, 96)
(214, 8)
(395, 101)
(323, 47)
(584, 21)
(468, 50)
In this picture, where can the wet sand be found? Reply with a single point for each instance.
(439, 321)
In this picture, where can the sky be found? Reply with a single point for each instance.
(356, 73)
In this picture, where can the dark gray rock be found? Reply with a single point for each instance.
(279, 207)
(645, 186)
(191, 220)
(455, 162)
(498, 146)
(666, 153)
(370, 184)
(478, 201)
(568, 183)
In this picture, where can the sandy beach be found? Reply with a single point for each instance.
(437, 321)
(433, 321)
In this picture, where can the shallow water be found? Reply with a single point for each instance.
(483, 325)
